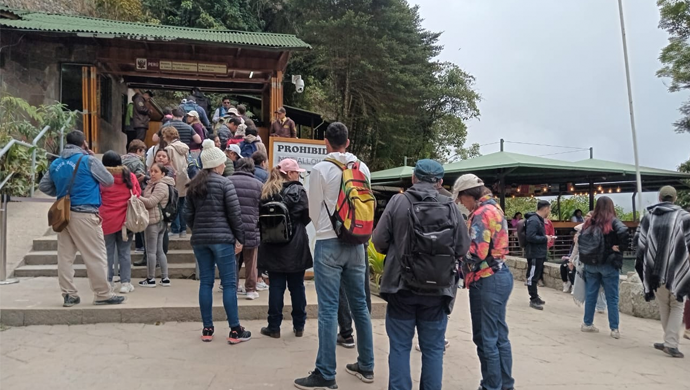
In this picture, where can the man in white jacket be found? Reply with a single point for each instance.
(336, 260)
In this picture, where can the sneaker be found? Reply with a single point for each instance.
(261, 286)
(252, 295)
(173, 235)
(687, 334)
(298, 332)
(364, 376)
(241, 291)
(207, 335)
(346, 342)
(165, 282)
(589, 328)
(114, 300)
(315, 381)
(140, 263)
(183, 234)
(615, 334)
(674, 352)
(139, 250)
(540, 283)
(126, 288)
(148, 283)
(267, 332)
(540, 301)
(659, 346)
(536, 305)
(71, 300)
(566, 287)
(238, 336)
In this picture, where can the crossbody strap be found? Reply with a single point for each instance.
(74, 174)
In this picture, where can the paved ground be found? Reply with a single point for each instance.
(549, 352)
(25, 221)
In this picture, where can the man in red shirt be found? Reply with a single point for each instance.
(283, 126)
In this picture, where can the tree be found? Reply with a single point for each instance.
(684, 195)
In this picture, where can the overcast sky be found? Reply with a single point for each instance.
(552, 72)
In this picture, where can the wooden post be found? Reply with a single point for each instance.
(86, 123)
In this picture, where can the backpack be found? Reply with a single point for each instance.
(522, 232)
(137, 219)
(169, 212)
(275, 224)
(248, 148)
(591, 246)
(430, 262)
(353, 217)
(193, 166)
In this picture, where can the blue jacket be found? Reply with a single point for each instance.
(261, 174)
(86, 193)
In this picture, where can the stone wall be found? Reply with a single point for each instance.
(67, 7)
(631, 292)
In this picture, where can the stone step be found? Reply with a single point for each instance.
(37, 301)
(49, 243)
(51, 257)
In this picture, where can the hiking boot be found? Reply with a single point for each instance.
(239, 335)
(364, 376)
(298, 332)
(114, 300)
(589, 328)
(536, 305)
(346, 342)
(268, 332)
(659, 346)
(674, 352)
(207, 334)
(315, 381)
(71, 300)
(615, 334)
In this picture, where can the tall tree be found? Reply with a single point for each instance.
(675, 18)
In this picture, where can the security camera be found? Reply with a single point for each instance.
(299, 83)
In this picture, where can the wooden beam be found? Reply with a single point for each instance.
(282, 61)
(190, 77)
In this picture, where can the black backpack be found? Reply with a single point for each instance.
(522, 232)
(275, 224)
(591, 246)
(430, 262)
(170, 210)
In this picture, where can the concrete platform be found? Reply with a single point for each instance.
(37, 301)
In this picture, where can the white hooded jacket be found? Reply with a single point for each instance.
(324, 185)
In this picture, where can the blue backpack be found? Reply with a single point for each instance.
(247, 148)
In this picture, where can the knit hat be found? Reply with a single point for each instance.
(211, 156)
(668, 194)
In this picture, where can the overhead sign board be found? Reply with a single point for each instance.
(153, 65)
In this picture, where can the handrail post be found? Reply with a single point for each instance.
(33, 171)
(62, 138)
(4, 200)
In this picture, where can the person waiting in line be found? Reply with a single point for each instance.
(286, 263)
(186, 133)
(252, 143)
(237, 131)
(489, 280)
(607, 270)
(155, 198)
(222, 110)
(162, 157)
(248, 190)
(113, 211)
(213, 212)
(242, 112)
(178, 153)
(134, 161)
(199, 129)
(232, 154)
(577, 217)
(260, 166)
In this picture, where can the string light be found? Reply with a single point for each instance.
(618, 189)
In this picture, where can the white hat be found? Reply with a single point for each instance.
(194, 114)
(466, 182)
(234, 148)
(211, 156)
(241, 130)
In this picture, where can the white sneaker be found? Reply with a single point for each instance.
(566, 287)
(173, 236)
(589, 328)
(241, 291)
(615, 334)
(183, 234)
(126, 288)
(261, 286)
(252, 295)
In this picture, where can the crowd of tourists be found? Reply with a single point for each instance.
(217, 186)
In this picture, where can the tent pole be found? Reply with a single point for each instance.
(634, 206)
(558, 200)
(591, 153)
(503, 191)
(591, 195)
(502, 142)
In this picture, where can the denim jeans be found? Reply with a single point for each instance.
(178, 224)
(335, 260)
(276, 295)
(404, 313)
(488, 300)
(207, 256)
(115, 243)
(607, 276)
(344, 316)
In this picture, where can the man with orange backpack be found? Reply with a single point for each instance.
(341, 207)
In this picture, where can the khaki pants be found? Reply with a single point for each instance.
(671, 312)
(84, 234)
(249, 255)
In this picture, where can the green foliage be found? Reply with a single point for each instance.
(520, 205)
(568, 206)
(375, 264)
(210, 14)
(684, 195)
(127, 10)
(22, 121)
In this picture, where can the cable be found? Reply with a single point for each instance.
(493, 143)
(572, 151)
(551, 146)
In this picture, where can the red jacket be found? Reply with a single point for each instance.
(114, 201)
(550, 231)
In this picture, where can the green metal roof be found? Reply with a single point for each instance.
(627, 169)
(506, 160)
(403, 172)
(38, 21)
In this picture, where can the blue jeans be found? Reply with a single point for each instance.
(207, 256)
(607, 276)
(179, 225)
(113, 243)
(335, 260)
(404, 312)
(488, 300)
(276, 296)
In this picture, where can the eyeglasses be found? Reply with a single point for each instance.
(228, 102)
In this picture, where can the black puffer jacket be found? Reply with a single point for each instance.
(215, 218)
(294, 256)
(536, 247)
(248, 190)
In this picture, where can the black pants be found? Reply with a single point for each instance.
(276, 293)
(566, 274)
(140, 133)
(344, 316)
(535, 269)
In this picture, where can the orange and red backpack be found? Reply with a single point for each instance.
(353, 217)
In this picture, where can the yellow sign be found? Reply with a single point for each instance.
(213, 68)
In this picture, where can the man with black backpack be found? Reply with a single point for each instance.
(536, 250)
(423, 236)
